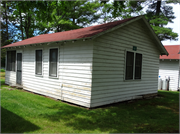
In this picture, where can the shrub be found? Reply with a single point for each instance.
(2, 70)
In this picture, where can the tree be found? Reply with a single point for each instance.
(68, 15)
(25, 17)
(159, 13)
(7, 31)
(106, 13)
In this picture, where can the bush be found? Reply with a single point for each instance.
(2, 70)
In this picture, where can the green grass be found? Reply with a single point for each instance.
(2, 77)
(2, 70)
(23, 112)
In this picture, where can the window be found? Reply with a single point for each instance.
(11, 60)
(39, 62)
(129, 65)
(138, 66)
(133, 65)
(53, 56)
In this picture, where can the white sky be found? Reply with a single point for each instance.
(175, 26)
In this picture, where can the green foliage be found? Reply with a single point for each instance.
(25, 16)
(25, 19)
(125, 9)
(2, 70)
(158, 13)
(68, 15)
(158, 19)
(7, 32)
(106, 13)
(173, 1)
(2, 77)
(24, 112)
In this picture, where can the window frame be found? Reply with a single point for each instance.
(125, 57)
(35, 62)
(6, 65)
(135, 67)
(57, 75)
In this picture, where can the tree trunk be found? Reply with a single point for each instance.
(58, 29)
(25, 26)
(158, 7)
(73, 16)
(21, 25)
(28, 25)
(7, 33)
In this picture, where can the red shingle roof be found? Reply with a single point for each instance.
(69, 35)
(174, 52)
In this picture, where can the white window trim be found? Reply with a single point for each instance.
(126, 50)
(53, 77)
(38, 75)
(15, 61)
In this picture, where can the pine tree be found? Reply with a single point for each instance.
(159, 13)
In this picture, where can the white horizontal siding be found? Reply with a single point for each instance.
(10, 78)
(74, 72)
(170, 69)
(108, 84)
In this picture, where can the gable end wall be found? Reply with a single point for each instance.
(108, 84)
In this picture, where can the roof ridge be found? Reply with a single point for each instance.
(92, 26)
(86, 32)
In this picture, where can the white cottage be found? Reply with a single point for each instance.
(90, 66)
(170, 67)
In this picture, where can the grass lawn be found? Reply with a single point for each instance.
(2, 77)
(23, 112)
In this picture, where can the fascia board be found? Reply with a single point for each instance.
(47, 42)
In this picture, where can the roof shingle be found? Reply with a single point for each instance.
(174, 52)
(69, 35)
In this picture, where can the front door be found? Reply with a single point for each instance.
(19, 69)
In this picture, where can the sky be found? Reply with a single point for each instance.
(175, 26)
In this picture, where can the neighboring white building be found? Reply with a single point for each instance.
(90, 66)
(169, 66)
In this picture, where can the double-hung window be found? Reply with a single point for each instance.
(39, 62)
(53, 58)
(133, 65)
(11, 60)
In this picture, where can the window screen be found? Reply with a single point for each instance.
(39, 62)
(53, 62)
(8, 67)
(11, 60)
(129, 65)
(138, 66)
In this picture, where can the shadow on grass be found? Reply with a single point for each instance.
(142, 116)
(12, 123)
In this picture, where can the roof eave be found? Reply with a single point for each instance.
(4, 47)
(169, 59)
